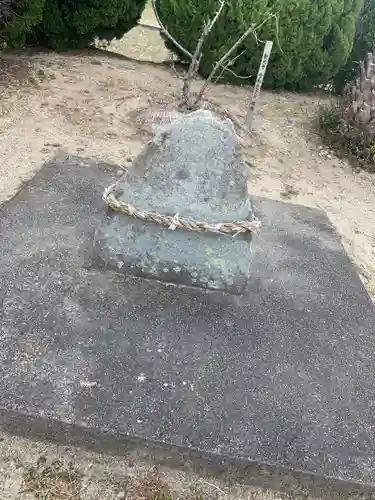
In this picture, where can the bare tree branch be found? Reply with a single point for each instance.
(217, 15)
(240, 77)
(166, 32)
(197, 56)
(230, 63)
(220, 63)
(188, 102)
(192, 71)
(252, 29)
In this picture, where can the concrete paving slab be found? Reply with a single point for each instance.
(279, 382)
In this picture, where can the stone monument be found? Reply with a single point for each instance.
(192, 171)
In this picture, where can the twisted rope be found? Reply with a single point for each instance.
(176, 222)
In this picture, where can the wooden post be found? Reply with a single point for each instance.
(258, 84)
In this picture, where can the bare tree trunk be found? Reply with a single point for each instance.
(196, 59)
(361, 108)
(188, 102)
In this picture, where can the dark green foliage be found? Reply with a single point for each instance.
(26, 14)
(363, 43)
(353, 142)
(312, 38)
(70, 24)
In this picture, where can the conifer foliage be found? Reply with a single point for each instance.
(363, 44)
(69, 24)
(312, 38)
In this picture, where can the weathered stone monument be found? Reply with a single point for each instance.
(191, 171)
(167, 329)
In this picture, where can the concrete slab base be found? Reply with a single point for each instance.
(276, 385)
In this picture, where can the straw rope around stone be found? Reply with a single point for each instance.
(177, 222)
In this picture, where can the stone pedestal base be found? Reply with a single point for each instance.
(277, 383)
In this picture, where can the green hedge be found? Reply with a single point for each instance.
(27, 15)
(363, 42)
(75, 24)
(312, 38)
(71, 24)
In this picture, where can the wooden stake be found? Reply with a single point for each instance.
(258, 84)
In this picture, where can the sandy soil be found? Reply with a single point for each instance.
(103, 106)
(142, 43)
(106, 477)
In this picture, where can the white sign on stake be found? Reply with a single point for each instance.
(258, 84)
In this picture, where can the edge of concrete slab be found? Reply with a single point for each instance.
(248, 472)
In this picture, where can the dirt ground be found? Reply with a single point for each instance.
(34, 470)
(102, 106)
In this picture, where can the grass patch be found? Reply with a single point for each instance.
(53, 482)
(153, 487)
(58, 481)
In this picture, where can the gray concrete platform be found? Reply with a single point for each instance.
(278, 383)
